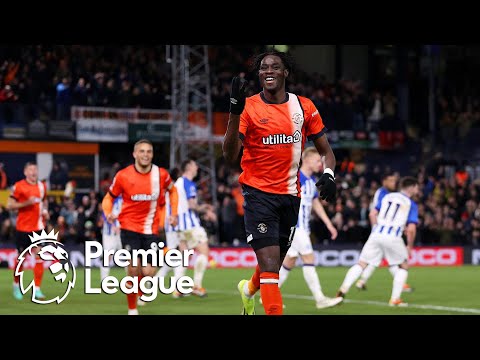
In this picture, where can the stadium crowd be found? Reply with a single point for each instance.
(449, 208)
(43, 82)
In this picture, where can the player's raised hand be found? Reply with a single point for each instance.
(238, 93)
(327, 187)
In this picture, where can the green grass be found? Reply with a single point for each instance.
(443, 287)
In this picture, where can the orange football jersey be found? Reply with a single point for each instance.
(273, 137)
(142, 196)
(30, 217)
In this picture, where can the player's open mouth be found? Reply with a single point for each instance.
(269, 79)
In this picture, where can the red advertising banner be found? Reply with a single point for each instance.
(245, 257)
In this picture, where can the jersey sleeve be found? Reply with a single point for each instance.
(165, 177)
(116, 188)
(190, 189)
(314, 127)
(374, 202)
(379, 200)
(413, 214)
(165, 183)
(244, 122)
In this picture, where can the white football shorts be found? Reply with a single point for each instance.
(301, 244)
(377, 247)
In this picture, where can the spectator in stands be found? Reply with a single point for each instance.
(58, 177)
(105, 184)
(7, 108)
(64, 99)
(80, 93)
(461, 176)
(3, 177)
(376, 111)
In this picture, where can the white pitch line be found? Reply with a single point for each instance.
(376, 303)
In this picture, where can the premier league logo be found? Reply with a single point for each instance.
(62, 270)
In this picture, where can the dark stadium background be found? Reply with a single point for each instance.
(414, 110)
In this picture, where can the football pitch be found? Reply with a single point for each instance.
(438, 291)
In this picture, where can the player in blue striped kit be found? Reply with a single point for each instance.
(189, 233)
(111, 235)
(301, 244)
(394, 213)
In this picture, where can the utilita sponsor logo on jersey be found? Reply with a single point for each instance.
(144, 197)
(277, 139)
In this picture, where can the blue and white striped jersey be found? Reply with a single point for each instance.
(395, 211)
(187, 218)
(309, 192)
(117, 207)
(381, 191)
(168, 212)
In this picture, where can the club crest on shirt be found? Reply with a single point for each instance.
(297, 118)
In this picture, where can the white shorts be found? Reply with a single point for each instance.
(173, 239)
(193, 237)
(111, 242)
(377, 247)
(301, 244)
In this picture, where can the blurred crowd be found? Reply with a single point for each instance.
(42, 83)
(39, 82)
(449, 207)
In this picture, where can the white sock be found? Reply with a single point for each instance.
(104, 271)
(283, 275)
(398, 281)
(178, 272)
(367, 272)
(199, 269)
(352, 274)
(393, 269)
(164, 270)
(311, 278)
(132, 311)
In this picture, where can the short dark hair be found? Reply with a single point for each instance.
(142, 141)
(388, 174)
(184, 164)
(408, 181)
(29, 163)
(286, 58)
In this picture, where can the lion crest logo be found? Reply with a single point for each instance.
(61, 268)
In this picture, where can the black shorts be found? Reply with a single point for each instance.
(135, 241)
(270, 219)
(22, 241)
